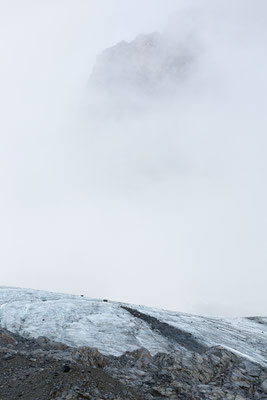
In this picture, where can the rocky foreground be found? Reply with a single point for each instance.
(41, 369)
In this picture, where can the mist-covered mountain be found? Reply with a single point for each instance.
(159, 354)
(148, 63)
(150, 67)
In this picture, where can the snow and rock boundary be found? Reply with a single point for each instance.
(115, 328)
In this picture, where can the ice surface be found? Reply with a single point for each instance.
(79, 321)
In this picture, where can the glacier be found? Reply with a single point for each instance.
(115, 327)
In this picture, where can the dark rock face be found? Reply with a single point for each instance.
(42, 369)
(90, 357)
(215, 374)
(6, 338)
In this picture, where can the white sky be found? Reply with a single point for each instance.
(169, 211)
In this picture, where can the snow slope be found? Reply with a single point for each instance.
(79, 321)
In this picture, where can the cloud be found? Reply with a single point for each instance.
(164, 207)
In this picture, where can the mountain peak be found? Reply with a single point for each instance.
(151, 63)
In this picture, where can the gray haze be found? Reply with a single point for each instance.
(165, 208)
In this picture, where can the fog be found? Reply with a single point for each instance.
(164, 206)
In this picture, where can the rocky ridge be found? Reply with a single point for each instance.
(42, 369)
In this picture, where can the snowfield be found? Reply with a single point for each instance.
(82, 321)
